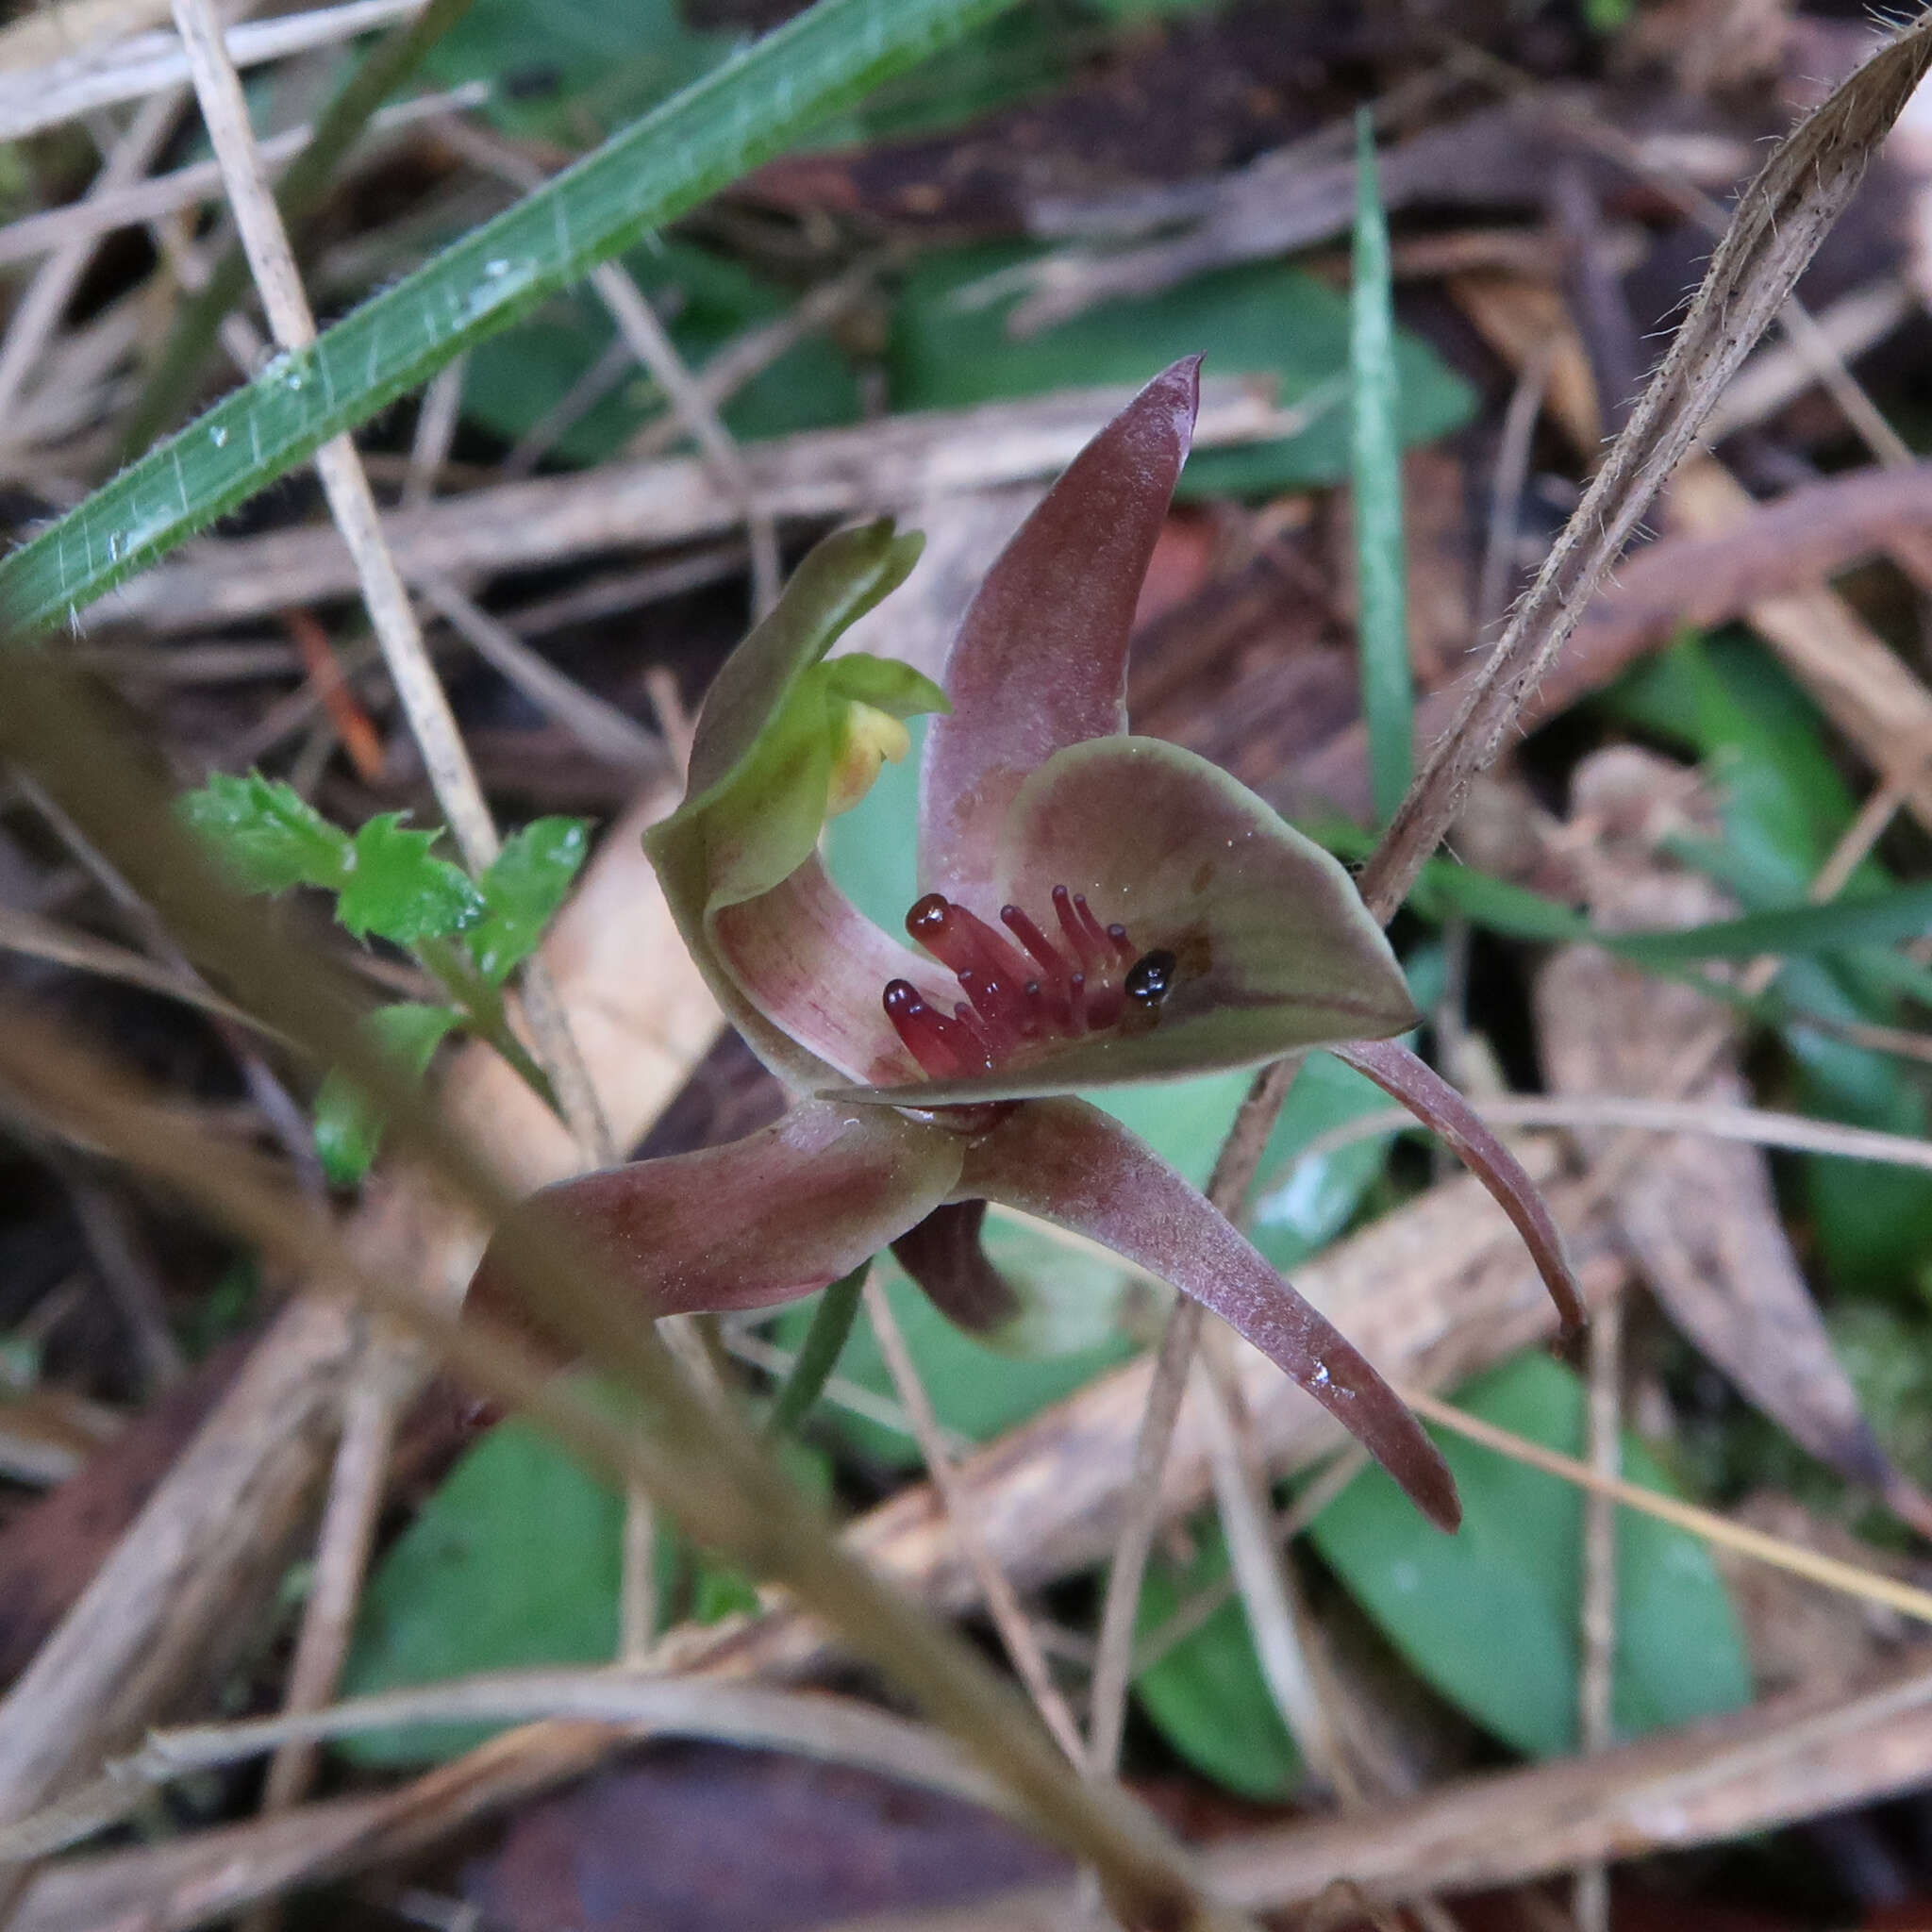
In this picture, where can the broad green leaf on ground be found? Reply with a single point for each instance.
(1206, 1694)
(1784, 804)
(949, 348)
(1020, 56)
(742, 113)
(394, 887)
(514, 1560)
(516, 380)
(348, 1129)
(1298, 1207)
(1489, 1615)
(265, 835)
(525, 884)
(571, 69)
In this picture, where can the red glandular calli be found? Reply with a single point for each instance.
(1045, 990)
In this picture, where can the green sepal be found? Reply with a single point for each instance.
(761, 763)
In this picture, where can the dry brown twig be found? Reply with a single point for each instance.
(76, 81)
(1596, 1681)
(1002, 1601)
(382, 1372)
(892, 464)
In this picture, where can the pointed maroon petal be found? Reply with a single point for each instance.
(759, 1222)
(1069, 1163)
(1447, 1113)
(944, 1254)
(1041, 658)
(814, 969)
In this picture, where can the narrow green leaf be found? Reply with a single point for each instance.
(522, 890)
(395, 889)
(742, 113)
(818, 1354)
(184, 356)
(1873, 919)
(1876, 917)
(265, 834)
(349, 1128)
(1382, 615)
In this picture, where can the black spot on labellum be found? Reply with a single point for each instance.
(1150, 979)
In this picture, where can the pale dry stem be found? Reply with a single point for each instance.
(1002, 1600)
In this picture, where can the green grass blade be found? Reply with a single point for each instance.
(1878, 919)
(824, 1342)
(1382, 617)
(384, 69)
(1870, 919)
(739, 115)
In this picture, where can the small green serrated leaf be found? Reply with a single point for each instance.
(265, 834)
(522, 890)
(348, 1130)
(394, 887)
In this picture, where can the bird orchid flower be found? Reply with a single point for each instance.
(1099, 908)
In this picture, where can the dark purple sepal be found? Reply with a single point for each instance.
(758, 1222)
(1040, 660)
(944, 1256)
(1069, 1163)
(1440, 1109)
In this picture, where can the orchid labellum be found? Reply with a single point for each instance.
(1098, 909)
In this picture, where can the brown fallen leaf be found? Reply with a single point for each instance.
(702, 1838)
(1699, 1214)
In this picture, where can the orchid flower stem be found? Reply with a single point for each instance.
(825, 1342)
